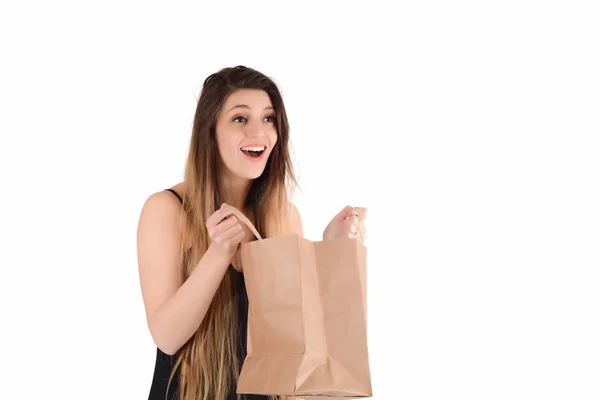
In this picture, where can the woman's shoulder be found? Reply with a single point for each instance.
(178, 189)
(165, 197)
(163, 205)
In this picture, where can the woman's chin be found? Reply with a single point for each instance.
(250, 175)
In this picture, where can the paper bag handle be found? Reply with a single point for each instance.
(240, 216)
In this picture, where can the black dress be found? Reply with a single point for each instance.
(165, 363)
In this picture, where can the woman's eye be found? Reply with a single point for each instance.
(270, 118)
(239, 119)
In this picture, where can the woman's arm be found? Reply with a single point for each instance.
(174, 308)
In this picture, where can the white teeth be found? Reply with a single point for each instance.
(254, 148)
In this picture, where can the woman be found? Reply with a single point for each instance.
(192, 286)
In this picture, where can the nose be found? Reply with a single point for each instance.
(254, 129)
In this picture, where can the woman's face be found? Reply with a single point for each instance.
(246, 132)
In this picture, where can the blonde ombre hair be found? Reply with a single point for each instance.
(208, 364)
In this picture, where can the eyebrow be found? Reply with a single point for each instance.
(246, 106)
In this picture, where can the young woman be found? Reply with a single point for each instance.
(192, 285)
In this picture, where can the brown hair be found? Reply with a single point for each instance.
(208, 364)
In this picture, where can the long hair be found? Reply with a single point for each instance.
(208, 364)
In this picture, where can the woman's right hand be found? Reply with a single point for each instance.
(225, 232)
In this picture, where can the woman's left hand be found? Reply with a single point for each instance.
(348, 223)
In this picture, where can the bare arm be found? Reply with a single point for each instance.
(174, 308)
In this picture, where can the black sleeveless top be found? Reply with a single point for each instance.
(165, 363)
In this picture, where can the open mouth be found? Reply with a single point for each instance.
(253, 151)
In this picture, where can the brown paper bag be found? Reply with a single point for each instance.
(307, 317)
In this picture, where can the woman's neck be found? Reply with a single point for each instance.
(235, 191)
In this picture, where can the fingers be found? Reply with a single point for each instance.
(346, 212)
(361, 235)
(225, 232)
(222, 227)
(350, 211)
(353, 223)
(354, 228)
(362, 232)
(350, 225)
(232, 232)
(218, 216)
(237, 238)
(227, 236)
(361, 212)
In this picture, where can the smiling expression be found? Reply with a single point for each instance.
(246, 132)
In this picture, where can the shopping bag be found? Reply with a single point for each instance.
(307, 317)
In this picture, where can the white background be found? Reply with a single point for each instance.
(469, 130)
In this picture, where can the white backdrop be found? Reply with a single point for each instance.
(469, 130)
